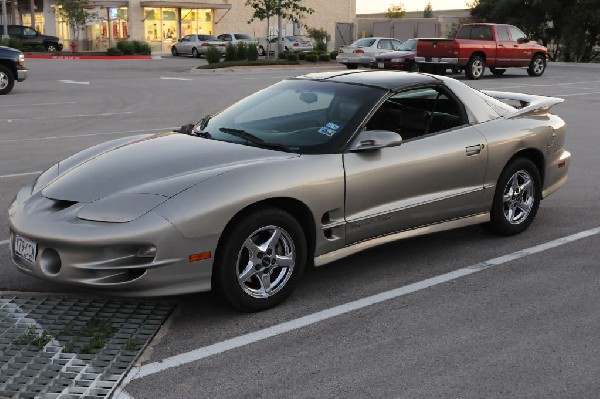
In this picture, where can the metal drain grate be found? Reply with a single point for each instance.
(65, 348)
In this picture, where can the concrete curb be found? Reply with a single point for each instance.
(90, 57)
(258, 69)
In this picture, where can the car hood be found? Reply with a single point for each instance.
(396, 54)
(162, 164)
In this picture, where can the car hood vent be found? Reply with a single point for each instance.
(59, 205)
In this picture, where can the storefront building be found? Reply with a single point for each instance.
(160, 23)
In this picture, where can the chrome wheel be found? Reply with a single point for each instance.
(518, 197)
(51, 48)
(477, 68)
(3, 80)
(538, 66)
(7, 81)
(266, 262)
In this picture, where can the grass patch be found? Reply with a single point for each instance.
(227, 64)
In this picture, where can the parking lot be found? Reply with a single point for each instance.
(458, 314)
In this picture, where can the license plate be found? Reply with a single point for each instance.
(25, 248)
(380, 65)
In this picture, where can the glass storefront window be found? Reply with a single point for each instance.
(195, 20)
(39, 21)
(164, 26)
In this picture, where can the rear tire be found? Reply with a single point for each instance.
(195, 53)
(537, 65)
(517, 198)
(475, 68)
(352, 66)
(260, 260)
(497, 71)
(7, 80)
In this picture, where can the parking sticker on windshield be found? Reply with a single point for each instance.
(329, 129)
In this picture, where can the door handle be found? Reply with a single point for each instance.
(474, 149)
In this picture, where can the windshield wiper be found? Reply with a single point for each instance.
(253, 139)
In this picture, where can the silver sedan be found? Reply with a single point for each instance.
(197, 45)
(307, 171)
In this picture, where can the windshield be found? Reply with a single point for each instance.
(304, 116)
(409, 45)
(206, 38)
(241, 36)
(364, 43)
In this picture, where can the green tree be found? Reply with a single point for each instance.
(291, 10)
(73, 11)
(428, 11)
(395, 11)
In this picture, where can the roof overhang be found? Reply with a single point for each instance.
(108, 3)
(183, 4)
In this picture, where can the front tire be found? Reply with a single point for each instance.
(352, 66)
(517, 197)
(174, 51)
(7, 80)
(537, 65)
(475, 68)
(195, 53)
(261, 51)
(52, 47)
(260, 260)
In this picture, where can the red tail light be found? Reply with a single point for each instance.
(296, 44)
(204, 45)
(359, 51)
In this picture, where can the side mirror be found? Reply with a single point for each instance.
(369, 140)
(522, 40)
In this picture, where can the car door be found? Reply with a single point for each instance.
(522, 53)
(436, 174)
(31, 37)
(383, 46)
(505, 50)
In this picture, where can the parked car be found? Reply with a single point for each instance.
(497, 46)
(383, 155)
(12, 68)
(363, 51)
(403, 59)
(197, 45)
(290, 43)
(31, 37)
(236, 38)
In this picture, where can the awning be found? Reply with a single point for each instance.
(183, 4)
(108, 3)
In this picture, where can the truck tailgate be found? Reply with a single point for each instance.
(436, 48)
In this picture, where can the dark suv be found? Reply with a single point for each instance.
(31, 37)
(12, 67)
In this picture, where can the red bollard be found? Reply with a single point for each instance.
(74, 46)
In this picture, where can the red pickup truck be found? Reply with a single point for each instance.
(476, 46)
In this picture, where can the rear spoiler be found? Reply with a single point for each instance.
(529, 103)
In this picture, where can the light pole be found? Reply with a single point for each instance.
(4, 20)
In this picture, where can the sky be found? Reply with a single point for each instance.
(376, 6)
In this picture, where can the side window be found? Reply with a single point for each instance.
(396, 44)
(14, 31)
(385, 44)
(464, 32)
(417, 112)
(502, 34)
(516, 33)
(481, 32)
(29, 32)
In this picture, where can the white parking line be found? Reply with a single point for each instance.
(21, 174)
(40, 104)
(577, 94)
(243, 340)
(3, 242)
(69, 116)
(168, 78)
(74, 82)
(166, 129)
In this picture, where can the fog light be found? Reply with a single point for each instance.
(50, 262)
(147, 252)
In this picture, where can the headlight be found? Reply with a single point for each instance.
(397, 60)
(120, 208)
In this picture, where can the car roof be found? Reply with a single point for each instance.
(389, 80)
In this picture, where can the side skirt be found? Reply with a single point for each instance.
(418, 231)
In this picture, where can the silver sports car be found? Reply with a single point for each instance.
(306, 171)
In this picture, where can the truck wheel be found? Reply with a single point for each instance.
(497, 71)
(7, 80)
(537, 65)
(475, 68)
(261, 50)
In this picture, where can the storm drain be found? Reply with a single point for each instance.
(68, 348)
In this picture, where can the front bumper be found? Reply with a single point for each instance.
(109, 256)
(354, 60)
(401, 66)
(22, 74)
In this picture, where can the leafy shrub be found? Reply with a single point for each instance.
(283, 55)
(12, 42)
(230, 53)
(114, 51)
(242, 51)
(26, 48)
(333, 54)
(127, 48)
(39, 48)
(140, 47)
(292, 56)
(213, 56)
(311, 57)
(252, 52)
(302, 56)
(324, 57)
(321, 46)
